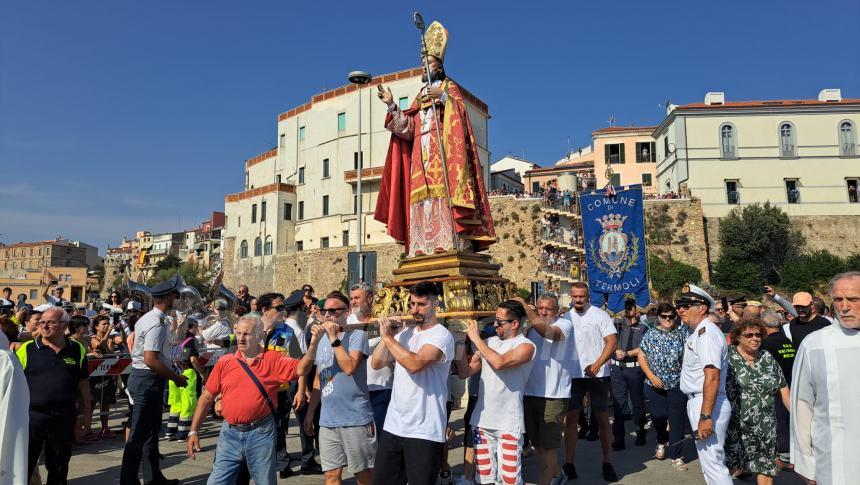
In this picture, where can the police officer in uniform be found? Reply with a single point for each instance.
(703, 380)
(151, 368)
(627, 378)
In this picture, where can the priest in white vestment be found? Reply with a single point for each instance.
(14, 417)
(825, 393)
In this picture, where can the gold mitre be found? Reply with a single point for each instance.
(436, 40)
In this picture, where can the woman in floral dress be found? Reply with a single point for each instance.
(753, 379)
(660, 356)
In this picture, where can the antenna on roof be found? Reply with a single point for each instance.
(611, 120)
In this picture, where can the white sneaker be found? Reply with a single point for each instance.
(660, 452)
(679, 464)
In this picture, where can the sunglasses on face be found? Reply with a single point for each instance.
(667, 316)
(499, 322)
(332, 311)
(279, 308)
(751, 335)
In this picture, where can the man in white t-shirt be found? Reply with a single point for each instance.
(410, 447)
(596, 341)
(378, 381)
(505, 362)
(57, 298)
(547, 390)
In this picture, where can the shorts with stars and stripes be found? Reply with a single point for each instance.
(498, 456)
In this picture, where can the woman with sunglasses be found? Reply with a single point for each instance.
(753, 379)
(660, 357)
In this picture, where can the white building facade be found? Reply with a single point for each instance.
(303, 194)
(801, 155)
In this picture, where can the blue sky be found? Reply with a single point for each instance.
(121, 115)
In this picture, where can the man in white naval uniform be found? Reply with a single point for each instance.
(825, 425)
(703, 379)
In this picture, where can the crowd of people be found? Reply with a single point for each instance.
(757, 389)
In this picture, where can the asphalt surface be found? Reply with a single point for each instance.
(98, 463)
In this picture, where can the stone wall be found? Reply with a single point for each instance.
(676, 228)
(837, 234)
(680, 233)
(518, 247)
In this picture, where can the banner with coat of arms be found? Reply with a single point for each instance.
(614, 231)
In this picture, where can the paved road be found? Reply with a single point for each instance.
(99, 463)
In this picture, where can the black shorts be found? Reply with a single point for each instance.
(103, 389)
(467, 435)
(597, 389)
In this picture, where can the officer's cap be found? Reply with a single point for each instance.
(172, 285)
(694, 294)
(295, 299)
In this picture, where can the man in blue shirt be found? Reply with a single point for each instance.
(347, 433)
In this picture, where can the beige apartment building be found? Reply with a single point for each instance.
(302, 194)
(46, 254)
(29, 282)
(801, 155)
(630, 152)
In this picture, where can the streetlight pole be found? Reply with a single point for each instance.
(359, 78)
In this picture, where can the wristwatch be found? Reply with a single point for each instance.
(704, 417)
(336, 343)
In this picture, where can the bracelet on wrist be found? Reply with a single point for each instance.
(192, 433)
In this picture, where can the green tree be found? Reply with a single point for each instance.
(668, 275)
(733, 271)
(852, 262)
(168, 263)
(761, 235)
(811, 270)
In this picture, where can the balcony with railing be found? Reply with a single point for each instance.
(561, 266)
(367, 175)
(566, 237)
(563, 202)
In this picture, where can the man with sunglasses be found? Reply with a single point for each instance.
(411, 443)
(703, 380)
(505, 363)
(245, 297)
(347, 433)
(281, 336)
(807, 321)
(151, 368)
(627, 378)
(58, 376)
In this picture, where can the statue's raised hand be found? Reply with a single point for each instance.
(385, 95)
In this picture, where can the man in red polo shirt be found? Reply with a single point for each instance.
(248, 432)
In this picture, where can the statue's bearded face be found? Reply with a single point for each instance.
(437, 70)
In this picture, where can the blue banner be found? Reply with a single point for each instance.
(614, 230)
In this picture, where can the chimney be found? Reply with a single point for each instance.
(715, 98)
(830, 95)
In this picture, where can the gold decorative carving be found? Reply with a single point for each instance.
(403, 300)
(458, 295)
(382, 303)
(510, 290)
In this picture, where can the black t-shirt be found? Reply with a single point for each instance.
(799, 330)
(53, 378)
(188, 349)
(781, 348)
